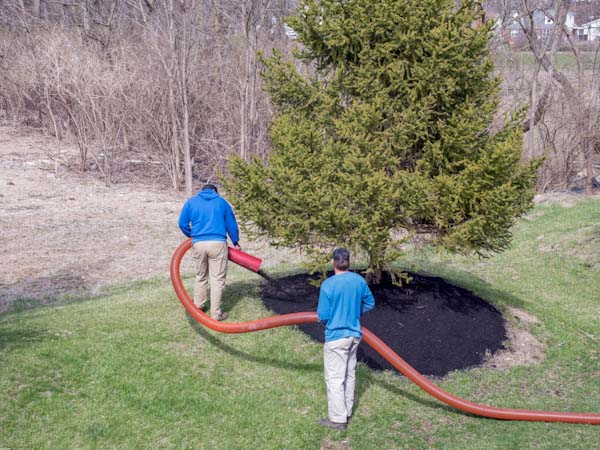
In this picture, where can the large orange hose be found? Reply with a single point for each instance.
(378, 345)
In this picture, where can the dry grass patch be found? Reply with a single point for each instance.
(522, 347)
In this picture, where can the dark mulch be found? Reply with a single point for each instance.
(435, 326)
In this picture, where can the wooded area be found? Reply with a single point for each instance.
(174, 86)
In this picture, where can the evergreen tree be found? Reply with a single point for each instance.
(388, 139)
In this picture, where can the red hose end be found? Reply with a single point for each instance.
(244, 259)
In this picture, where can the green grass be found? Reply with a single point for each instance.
(565, 61)
(131, 370)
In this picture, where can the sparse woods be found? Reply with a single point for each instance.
(169, 82)
(547, 53)
(175, 84)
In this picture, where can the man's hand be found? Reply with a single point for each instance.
(237, 247)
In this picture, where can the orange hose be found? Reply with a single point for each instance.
(378, 345)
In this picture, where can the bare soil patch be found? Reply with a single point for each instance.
(522, 348)
(63, 232)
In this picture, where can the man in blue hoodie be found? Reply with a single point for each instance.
(343, 298)
(207, 218)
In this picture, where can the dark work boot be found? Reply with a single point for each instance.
(333, 425)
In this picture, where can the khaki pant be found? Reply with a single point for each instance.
(339, 358)
(211, 260)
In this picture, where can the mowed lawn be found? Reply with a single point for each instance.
(131, 370)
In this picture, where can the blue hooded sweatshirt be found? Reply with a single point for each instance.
(343, 298)
(208, 217)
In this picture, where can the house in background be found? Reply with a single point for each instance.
(589, 31)
(514, 28)
(513, 24)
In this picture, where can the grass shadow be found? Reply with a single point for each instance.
(11, 339)
(273, 362)
(233, 293)
(429, 403)
(26, 303)
(58, 287)
(10, 304)
(366, 377)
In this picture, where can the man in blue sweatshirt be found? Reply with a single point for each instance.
(343, 298)
(207, 218)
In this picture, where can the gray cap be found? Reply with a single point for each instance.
(341, 255)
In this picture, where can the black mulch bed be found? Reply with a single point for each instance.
(434, 326)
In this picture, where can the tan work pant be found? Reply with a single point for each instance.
(339, 358)
(211, 260)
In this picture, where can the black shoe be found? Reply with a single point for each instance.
(222, 316)
(334, 425)
(202, 308)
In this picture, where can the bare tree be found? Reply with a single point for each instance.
(174, 81)
(563, 100)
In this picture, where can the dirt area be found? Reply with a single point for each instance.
(521, 348)
(65, 233)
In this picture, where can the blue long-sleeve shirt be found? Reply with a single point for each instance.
(208, 217)
(343, 298)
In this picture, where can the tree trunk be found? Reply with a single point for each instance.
(589, 166)
(183, 86)
(172, 106)
(35, 9)
(243, 119)
(252, 99)
(174, 140)
(85, 18)
(375, 272)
